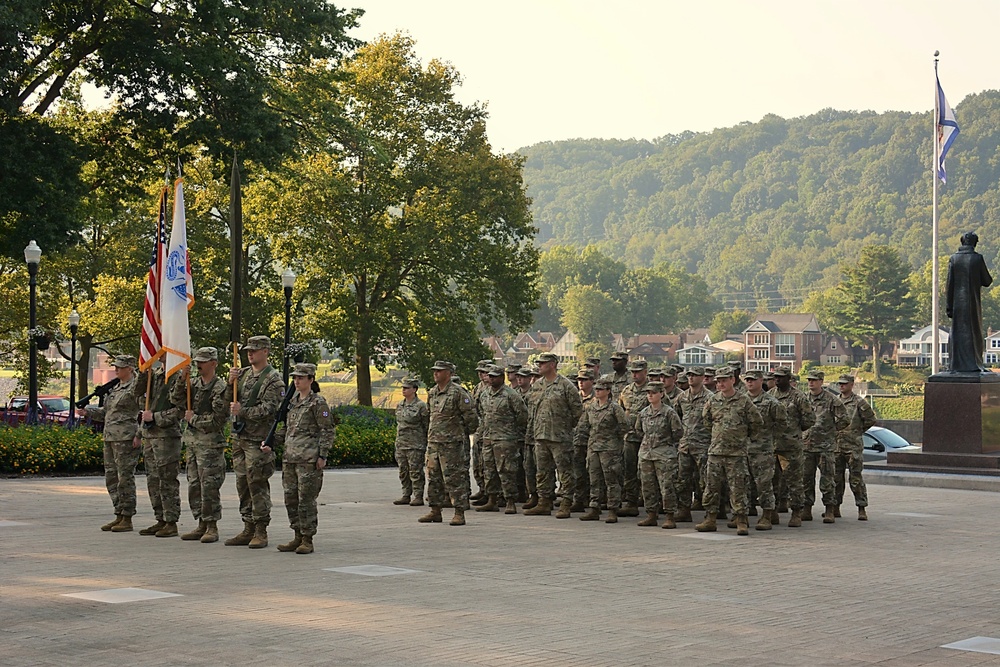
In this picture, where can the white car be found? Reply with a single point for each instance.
(880, 441)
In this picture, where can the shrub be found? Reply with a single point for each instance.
(903, 407)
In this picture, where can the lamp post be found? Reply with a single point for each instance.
(74, 323)
(32, 256)
(287, 282)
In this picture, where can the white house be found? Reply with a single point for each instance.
(992, 355)
(916, 350)
(701, 355)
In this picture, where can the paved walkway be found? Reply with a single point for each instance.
(503, 590)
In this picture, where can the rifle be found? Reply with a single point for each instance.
(281, 416)
(100, 391)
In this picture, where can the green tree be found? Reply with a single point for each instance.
(729, 322)
(591, 314)
(875, 305)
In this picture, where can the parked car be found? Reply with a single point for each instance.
(880, 441)
(51, 409)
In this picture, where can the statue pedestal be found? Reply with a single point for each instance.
(961, 426)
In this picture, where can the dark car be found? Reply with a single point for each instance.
(880, 441)
(51, 409)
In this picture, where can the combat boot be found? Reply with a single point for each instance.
(828, 514)
(490, 506)
(742, 526)
(612, 515)
(836, 511)
(402, 500)
(764, 522)
(565, 509)
(775, 518)
(243, 538)
(477, 495)
(592, 514)
(457, 520)
(806, 513)
(417, 502)
(154, 529)
(630, 509)
(293, 545)
(708, 525)
(307, 545)
(481, 500)
(195, 534)
(511, 508)
(123, 526)
(211, 533)
(578, 507)
(668, 521)
(259, 540)
(650, 519)
(434, 516)
(683, 515)
(795, 521)
(731, 523)
(543, 508)
(169, 530)
(111, 524)
(782, 506)
(862, 514)
(532, 502)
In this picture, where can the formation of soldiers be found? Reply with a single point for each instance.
(669, 440)
(145, 413)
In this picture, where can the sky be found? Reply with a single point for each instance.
(561, 69)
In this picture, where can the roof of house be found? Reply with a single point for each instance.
(784, 323)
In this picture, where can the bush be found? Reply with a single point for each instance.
(903, 407)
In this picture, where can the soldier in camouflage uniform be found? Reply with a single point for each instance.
(255, 407)
(524, 377)
(850, 447)
(204, 442)
(602, 426)
(412, 418)
(122, 445)
(661, 432)
(670, 389)
(761, 449)
(160, 431)
(514, 380)
(452, 419)
(478, 473)
(551, 426)
(620, 376)
(734, 422)
(633, 398)
(585, 381)
(820, 443)
(788, 452)
(692, 454)
(682, 382)
(307, 434)
(504, 419)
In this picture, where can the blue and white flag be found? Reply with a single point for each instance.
(177, 291)
(946, 130)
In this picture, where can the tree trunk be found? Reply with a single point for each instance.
(876, 353)
(364, 378)
(83, 367)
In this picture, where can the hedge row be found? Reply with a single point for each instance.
(365, 436)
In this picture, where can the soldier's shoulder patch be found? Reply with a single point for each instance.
(466, 399)
(326, 413)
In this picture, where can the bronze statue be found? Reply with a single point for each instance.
(967, 274)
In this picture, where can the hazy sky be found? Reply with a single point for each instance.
(559, 69)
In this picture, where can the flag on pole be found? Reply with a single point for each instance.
(177, 290)
(947, 130)
(150, 347)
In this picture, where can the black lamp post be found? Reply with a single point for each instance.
(32, 256)
(287, 282)
(74, 323)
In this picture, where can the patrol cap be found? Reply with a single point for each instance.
(547, 357)
(655, 372)
(677, 368)
(585, 374)
(603, 384)
(206, 354)
(124, 361)
(494, 371)
(753, 375)
(513, 368)
(412, 383)
(483, 364)
(592, 361)
(621, 356)
(443, 366)
(654, 386)
(696, 370)
(768, 375)
(816, 375)
(638, 365)
(782, 372)
(524, 372)
(724, 372)
(536, 371)
(304, 370)
(669, 372)
(845, 379)
(682, 377)
(258, 343)
(734, 364)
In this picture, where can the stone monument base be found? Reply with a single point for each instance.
(961, 426)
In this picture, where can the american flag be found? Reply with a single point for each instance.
(151, 348)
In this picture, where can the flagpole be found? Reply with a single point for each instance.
(935, 297)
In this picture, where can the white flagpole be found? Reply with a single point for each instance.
(935, 315)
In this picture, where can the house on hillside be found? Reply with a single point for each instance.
(782, 339)
(917, 349)
(565, 347)
(992, 354)
(838, 352)
(731, 347)
(533, 342)
(700, 354)
(496, 349)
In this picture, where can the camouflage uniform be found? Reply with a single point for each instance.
(602, 427)
(528, 450)
(205, 445)
(252, 466)
(819, 444)
(633, 398)
(761, 450)
(788, 454)
(452, 420)
(850, 449)
(120, 415)
(161, 449)
(411, 445)
(580, 471)
(734, 422)
(478, 471)
(307, 434)
(502, 428)
(557, 412)
(692, 454)
(661, 432)
(618, 383)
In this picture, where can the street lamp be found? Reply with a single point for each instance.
(74, 324)
(287, 282)
(32, 256)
